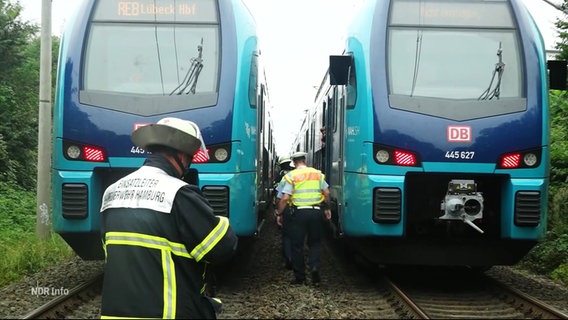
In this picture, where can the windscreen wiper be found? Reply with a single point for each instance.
(190, 80)
(499, 69)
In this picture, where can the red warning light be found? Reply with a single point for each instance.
(512, 160)
(93, 154)
(403, 158)
(200, 157)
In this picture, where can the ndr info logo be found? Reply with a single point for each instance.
(49, 291)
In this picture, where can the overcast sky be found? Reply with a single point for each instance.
(297, 36)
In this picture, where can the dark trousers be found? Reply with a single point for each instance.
(305, 223)
(286, 241)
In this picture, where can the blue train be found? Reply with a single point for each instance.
(124, 64)
(432, 128)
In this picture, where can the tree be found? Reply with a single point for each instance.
(562, 29)
(18, 96)
(559, 111)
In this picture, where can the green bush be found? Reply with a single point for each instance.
(561, 274)
(550, 256)
(558, 210)
(27, 255)
(21, 252)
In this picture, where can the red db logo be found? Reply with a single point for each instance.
(459, 134)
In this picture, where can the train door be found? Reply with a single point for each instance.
(339, 73)
(335, 145)
(323, 131)
(256, 96)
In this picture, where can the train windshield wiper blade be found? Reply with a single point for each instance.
(489, 93)
(189, 82)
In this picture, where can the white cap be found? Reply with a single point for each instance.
(298, 155)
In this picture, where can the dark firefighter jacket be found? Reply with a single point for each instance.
(159, 234)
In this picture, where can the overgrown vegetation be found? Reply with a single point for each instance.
(550, 256)
(21, 252)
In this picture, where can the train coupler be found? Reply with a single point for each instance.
(463, 202)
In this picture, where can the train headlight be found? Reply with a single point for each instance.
(382, 156)
(530, 159)
(221, 154)
(215, 154)
(386, 155)
(76, 151)
(73, 152)
(520, 159)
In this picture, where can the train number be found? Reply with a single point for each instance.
(137, 150)
(465, 155)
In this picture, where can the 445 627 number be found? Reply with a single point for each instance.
(137, 150)
(466, 155)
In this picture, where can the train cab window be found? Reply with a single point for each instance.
(482, 74)
(351, 88)
(333, 110)
(253, 90)
(134, 62)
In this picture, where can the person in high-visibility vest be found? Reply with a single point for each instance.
(305, 187)
(160, 233)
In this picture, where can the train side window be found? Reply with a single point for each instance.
(351, 88)
(333, 110)
(324, 114)
(312, 136)
(253, 81)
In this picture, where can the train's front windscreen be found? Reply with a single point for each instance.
(454, 54)
(152, 52)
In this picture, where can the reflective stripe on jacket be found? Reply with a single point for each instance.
(307, 185)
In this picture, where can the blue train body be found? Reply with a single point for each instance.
(123, 64)
(432, 128)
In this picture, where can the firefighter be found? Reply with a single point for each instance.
(159, 233)
(305, 187)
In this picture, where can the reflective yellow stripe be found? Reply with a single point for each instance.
(168, 267)
(167, 249)
(104, 249)
(211, 240)
(169, 275)
(146, 241)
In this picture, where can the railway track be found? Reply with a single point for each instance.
(63, 305)
(491, 300)
(256, 285)
(440, 293)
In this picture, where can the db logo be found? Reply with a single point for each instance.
(459, 134)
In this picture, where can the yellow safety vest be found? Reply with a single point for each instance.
(307, 185)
